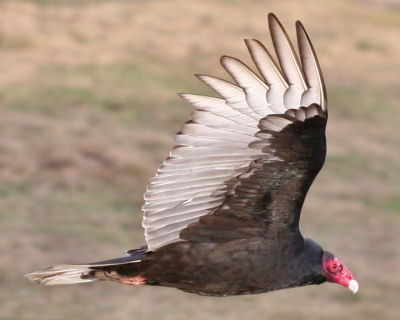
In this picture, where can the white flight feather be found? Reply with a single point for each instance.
(223, 137)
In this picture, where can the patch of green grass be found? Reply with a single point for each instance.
(95, 215)
(46, 100)
(7, 189)
(367, 45)
(356, 166)
(129, 92)
(356, 102)
(347, 164)
(389, 205)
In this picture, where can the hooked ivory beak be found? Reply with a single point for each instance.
(353, 286)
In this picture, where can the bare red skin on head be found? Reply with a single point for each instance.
(335, 271)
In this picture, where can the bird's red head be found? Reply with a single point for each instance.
(335, 271)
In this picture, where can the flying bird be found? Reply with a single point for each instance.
(221, 215)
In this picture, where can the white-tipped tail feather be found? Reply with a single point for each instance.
(62, 274)
(89, 272)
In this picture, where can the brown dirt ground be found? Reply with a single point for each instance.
(88, 109)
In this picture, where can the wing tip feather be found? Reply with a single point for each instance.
(302, 34)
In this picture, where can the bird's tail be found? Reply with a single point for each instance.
(101, 270)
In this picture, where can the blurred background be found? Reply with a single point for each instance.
(88, 110)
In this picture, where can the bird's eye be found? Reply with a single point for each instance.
(334, 266)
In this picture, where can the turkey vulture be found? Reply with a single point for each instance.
(221, 215)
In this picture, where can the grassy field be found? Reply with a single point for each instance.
(87, 112)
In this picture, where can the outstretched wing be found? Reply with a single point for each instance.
(267, 199)
(252, 153)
